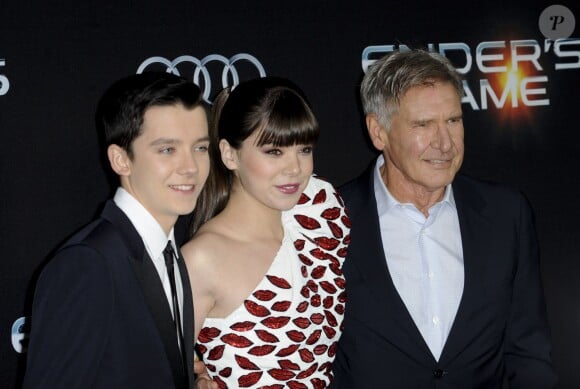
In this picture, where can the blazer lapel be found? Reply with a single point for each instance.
(472, 223)
(188, 321)
(152, 290)
(395, 323)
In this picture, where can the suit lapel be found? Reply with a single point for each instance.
(187, 317)
(396, 323)
(472, 223)
(151, 288)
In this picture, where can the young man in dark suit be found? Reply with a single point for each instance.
(442, 273)
(113, 308)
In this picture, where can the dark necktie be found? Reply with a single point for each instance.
(169, 256)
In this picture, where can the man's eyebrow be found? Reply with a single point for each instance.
(163, 141)
(423, 121)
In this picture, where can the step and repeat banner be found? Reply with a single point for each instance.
(520, 60)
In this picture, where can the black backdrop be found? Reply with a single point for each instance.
(57, 59)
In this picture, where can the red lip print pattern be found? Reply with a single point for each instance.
(275, 322)
(320, 197)
(248, 380)
(264, 295)
(266, 336)
(288, 365)
(281, 374)
(296, 336)
(287, 351)
(306, 355)
(279, 282)
(336, 230)
(301, 322)
(216, 353)
(207, 334)
(307, 222)
(226, 372)
(317, 318)
(327, 243)
(284, 334)
(313, 338)
(299, 244)
(303, 199)
(256, 309)
(296, 385)
(236, 340)
(245, 363)
(308, 372)
(243, 326)
(331, 213)
(261, 350)
(302, 307)
(281, 306)
(318, 272)
(305, 260)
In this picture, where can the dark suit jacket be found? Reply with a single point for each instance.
(100, 317)
(500, 334)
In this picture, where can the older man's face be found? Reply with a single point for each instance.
(424, 147)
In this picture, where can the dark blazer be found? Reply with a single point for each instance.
(500, 335)
(100, 317)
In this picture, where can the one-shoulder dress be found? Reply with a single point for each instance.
(285, 333)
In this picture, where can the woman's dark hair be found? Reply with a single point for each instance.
(276, 108)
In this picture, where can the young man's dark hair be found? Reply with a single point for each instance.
(120, 111)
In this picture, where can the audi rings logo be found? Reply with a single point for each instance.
(204, 71)
(4, 83)
(20, 334)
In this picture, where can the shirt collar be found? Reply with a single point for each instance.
(148, 228)
(386, 201)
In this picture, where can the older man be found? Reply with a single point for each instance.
(442, 274)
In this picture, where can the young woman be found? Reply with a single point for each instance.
(265, 265)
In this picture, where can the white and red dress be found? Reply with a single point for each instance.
(285, 333)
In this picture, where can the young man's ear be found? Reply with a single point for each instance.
(377, 132)
(229, 155)
(119, 160)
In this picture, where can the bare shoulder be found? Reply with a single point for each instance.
(208, 248)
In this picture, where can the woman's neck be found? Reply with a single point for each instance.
(251, 218)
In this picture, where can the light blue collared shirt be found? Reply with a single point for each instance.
(425, 259)
(155, 241)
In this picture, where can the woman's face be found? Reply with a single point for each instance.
(274, 176)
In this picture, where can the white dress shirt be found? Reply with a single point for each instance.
(425, 259)
(155, 242)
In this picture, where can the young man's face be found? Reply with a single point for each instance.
(170, 162)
